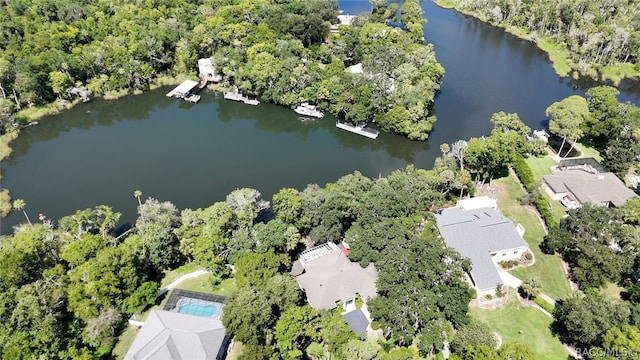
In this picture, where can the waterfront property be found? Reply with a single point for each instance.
(189, 327)
(484, 236)
(207, 71)
(359, 129)
(328, 277)
(575, 182)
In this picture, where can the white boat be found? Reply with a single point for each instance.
(306, 109)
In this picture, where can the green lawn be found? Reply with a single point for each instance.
(586, 151)
(124, 341)
(170, 276)
(517, 322)
(540, 166)
(547, 268)
(202, 284)
(611, 291)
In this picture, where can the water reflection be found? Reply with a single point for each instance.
(195, 154)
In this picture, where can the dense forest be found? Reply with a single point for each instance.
(282, 52)
(592, 34)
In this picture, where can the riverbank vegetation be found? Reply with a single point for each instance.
(594, 38)
(611, 127)
(281, 52)
(67, 286)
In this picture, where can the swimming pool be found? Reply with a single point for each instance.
(195, 303)
(197, 307)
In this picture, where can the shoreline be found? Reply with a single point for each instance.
(555, 53)
(30, 116)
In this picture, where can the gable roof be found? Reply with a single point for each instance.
(331, 277)
(167, 335)
(587, 187)
(476, 234)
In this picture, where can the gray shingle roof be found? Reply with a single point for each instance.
(586, 187)
(332, 277)
(476, 234)
(168, 335)
(358, 323)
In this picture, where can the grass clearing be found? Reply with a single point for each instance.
(587, 151)
(124, 341)
(616, 73)
(557, 55)
(203, 285)
(547, 268)
(172, 275)
(540, 166)
(446, 4)
(612, 291)
(517, 322)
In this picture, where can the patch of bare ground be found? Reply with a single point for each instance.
(489, 304)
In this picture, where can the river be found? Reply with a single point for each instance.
(195, 154)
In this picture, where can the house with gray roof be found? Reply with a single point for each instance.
(168, 335)
(328, 277)
(358, 322)
(484, 236)
(576, 185)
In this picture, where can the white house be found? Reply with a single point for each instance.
(207, 70)
(484, 236)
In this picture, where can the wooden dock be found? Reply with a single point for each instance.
(237, 96)
(360, 130)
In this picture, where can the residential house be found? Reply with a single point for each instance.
(328, 277)
(484, 236)
(207, 71)
(579, 182)
(168, 335)
(188, 328)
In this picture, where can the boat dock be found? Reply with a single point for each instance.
(184, 89)
(360, 130)
(237, 96)
(188, 90)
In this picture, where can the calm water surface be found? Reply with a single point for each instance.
(193, 155)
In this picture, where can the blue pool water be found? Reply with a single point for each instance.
(198, 309)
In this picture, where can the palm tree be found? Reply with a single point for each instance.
(445, 148)
(137, 194)
(19, 205)
(531, 287)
